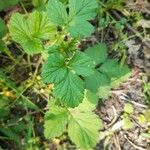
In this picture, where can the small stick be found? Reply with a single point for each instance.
(135, 146)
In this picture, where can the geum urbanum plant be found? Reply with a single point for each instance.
(79, 78)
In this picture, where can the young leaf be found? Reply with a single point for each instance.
(70, 91)
(32, 31)
(82, 64)
(97, 52)
(3, 28)
(84, 125)
(128, 108)
(127, 123)
(55, 121)
(98, 83)
(57, 12)
(54, 70)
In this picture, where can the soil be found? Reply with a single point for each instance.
(110, 110)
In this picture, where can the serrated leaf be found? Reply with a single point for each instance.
(92, 97)
(54, 70)
(98, 83)
(70, 90)
(57, 12)
(82, 64)
(55, 121)
(97, 52)
(40, 26)
(32, 46)
(85, 9)
(125, 73)
(3, 28)
(84, 125)
(30, 32)
(75, 21)
(80, 12)
(80, 28)
(111, 68)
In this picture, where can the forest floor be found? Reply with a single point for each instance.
(125, 114)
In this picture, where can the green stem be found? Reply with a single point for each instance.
(23, 7)
(10, 56)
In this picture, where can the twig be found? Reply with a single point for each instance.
(123, 97)
(116, 141)
(135, 146)
(131, 29)
(115, 117)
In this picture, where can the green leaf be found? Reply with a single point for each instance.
(70, 91)
(128, 108)
(111, 68)
(2, 46)
(30, 32)
(80, 28)
(38, 3)
(3, 101)
(98, 83)
(127, 123)
(84, 125)
(18, 28)
(7, 3)
(104, 90)
(40, 26)
(125, 73)
(97, 52)
(3, 28)
(83, 9)
(76, 20)
(10, 134)
(32, 46)
(4, 112)
(69, 88)
(55, 121)
(80, 12)
(54, 70)
(92, 97)
(82, 64)
(57, 12)
(115, 71)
